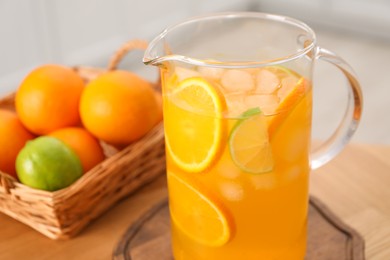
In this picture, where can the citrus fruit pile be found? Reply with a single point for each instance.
(54, 135)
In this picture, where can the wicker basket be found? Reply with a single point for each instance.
(64, 213)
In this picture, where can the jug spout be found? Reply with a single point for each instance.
(157, 52)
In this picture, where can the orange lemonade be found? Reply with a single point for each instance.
(237, 144)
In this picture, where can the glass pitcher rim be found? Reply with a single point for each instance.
(148, 60)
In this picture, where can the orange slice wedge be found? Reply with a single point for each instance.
(196, 214)
(289, 95)
(194, 127)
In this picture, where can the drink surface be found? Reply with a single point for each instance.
(237, 146)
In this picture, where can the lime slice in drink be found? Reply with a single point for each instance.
(249, 145)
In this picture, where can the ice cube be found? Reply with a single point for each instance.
(236, 81)
(266, 82)
(264, 181)
(236, 104)
(293, 172)
(212, 73)
(232, 191)
(184, 73)
(226, 168)
(267, 103)
(288, 84)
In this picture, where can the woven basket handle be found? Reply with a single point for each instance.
(125, 49)
(122, 51)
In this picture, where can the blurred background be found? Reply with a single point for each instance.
(87, 32)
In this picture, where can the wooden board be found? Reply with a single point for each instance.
(328, 237)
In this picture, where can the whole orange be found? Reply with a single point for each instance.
(83, 143)
(48, 99)
(119, 107)
(13, 136)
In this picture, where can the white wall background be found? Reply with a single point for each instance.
(87, 32)
(84, 32)
(370, 17)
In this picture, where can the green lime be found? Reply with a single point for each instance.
(47, 163)
(249, 145)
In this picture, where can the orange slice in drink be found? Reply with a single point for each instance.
(194, 127)
(197, 214)
(289, 94)
(249, 145)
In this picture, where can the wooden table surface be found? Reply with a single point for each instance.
(355, 186)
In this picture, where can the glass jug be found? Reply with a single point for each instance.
(237, 102)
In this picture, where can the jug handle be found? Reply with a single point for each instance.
(348, 125)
